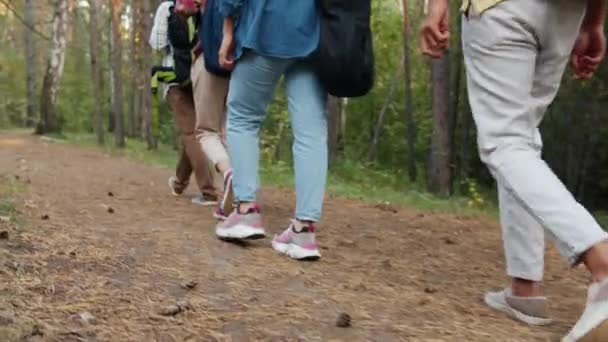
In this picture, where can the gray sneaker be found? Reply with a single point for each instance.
(247, 226)
(530, 310)
(205, 200)
(299, 245)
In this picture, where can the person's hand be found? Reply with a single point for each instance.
(187, 8)
(226, 53)
(435, 35)
(589, 50)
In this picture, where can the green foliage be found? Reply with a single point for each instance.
(576, 138)
(12, 80)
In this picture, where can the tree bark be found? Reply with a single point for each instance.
(146, 55)
(96, 72)
(132, 126)
(408, 111)
(334, 113)
(454, 108)
(439, 171)
(48, 112)
(110, 75)
(373, 146)
(116, 7)
(30, 58)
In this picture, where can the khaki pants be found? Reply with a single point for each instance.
(191, 156)
(210, 93)
(515, 56)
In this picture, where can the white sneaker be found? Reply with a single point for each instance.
(593, 324)
(176, 187)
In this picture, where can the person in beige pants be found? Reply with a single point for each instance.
(210, 92)
(515, 55)
(180, 100)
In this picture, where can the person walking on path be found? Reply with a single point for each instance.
(180, 99)
(515, 54)
(210, 92)
(272, 40)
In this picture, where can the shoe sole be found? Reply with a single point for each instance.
(240, 232)
(296, 252)
(502, 307)
(195, 201)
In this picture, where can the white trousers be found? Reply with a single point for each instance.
(515, 56)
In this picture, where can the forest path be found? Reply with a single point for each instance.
(402, 274)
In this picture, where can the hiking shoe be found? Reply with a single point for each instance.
(530, 310)
(247, 226)
(177, 187)
(227, 203)
(299, 245)
(593, 324)
(206, 200)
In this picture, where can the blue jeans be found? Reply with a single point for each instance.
(252, 85)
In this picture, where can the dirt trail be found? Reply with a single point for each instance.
(404, 276)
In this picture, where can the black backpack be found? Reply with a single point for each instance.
(344, 60)
(179, 33)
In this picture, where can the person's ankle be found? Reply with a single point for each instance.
(300, 224)
(596, 260)
(244, 207)
(526, 288)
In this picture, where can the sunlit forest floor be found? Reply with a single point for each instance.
(94, 248)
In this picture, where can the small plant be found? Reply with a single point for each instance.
(475, 198)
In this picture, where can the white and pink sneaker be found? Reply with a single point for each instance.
(297, 242)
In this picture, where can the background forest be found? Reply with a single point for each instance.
(80, 70)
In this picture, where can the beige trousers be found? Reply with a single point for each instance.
(210, 93)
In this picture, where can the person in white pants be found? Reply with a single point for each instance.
(515, 53)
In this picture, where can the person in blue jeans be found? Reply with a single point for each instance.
(264, 40)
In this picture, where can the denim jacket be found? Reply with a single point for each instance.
(274, 28)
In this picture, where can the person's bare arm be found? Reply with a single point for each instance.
(590, 47)
(596, 13)
(435, 34)
(226, 53)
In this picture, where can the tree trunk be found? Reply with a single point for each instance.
(117, 103)
(408, 112)
(334, 113)
(439, 171)
(132, 126)
(373, 146)
(343, 119)
(454, 108)
(30, 58)
(96, 72)
(110, 75)
(48, 116)
(146, 55)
